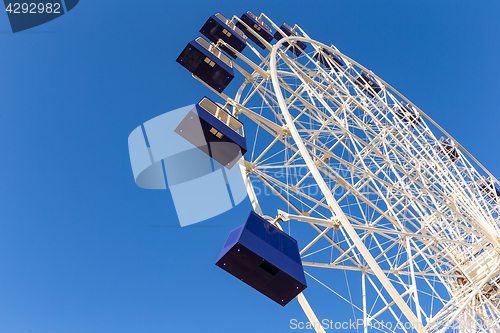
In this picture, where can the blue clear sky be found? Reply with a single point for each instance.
(81, 249)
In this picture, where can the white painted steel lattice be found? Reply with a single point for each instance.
(416, 217)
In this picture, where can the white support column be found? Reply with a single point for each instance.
(365, 313)
(413, 280)
(310, 313)
(249, 187)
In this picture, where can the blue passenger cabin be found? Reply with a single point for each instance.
(329, 60)
(214, 131)
(218, 27)
(367, 83)
(406, 112)
(488, 189)
(447, 149)
(265, 258)
(208, 63)
(297, 50)
(257, 25)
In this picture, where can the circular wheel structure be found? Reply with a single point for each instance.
(374, 191)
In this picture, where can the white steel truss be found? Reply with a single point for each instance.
(384, 198)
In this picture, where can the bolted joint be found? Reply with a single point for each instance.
(336, 224)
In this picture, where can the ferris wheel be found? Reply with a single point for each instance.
(368, 184)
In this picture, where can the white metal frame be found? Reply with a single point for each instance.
(410, 220)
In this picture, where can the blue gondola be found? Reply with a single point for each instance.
(214, 131)
(218, 27)
(329, 60)
(488, 189)
(208, 63)
(297, 50)
(256, 24)
(265, 258)
(446, 148)
(408, 114)
(366, 82)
